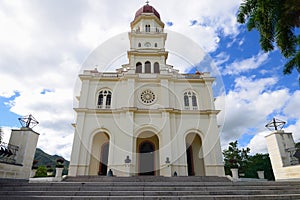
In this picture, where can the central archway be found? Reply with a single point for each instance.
(147, 154)
(146, 158)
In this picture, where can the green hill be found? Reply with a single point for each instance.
(46, 160)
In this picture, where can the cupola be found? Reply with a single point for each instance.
(146, 9)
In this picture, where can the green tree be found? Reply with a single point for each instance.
(259, 162)
(247, 164)
(235, 158)
(297, 145)
(276, 21)
(41, 171)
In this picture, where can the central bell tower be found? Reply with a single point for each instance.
(147, 42)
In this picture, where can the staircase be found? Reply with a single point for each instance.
(95, 187)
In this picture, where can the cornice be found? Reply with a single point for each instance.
(145, 110)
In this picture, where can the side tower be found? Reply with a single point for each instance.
(146, 118)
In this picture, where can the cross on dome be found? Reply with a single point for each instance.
(146, 9)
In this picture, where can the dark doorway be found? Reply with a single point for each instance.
(189, 157)
(103, 159)
(146, 159)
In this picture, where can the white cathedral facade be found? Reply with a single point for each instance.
(146, 118)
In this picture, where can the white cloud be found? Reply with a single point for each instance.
(248, 105)
(105, 19)
(292, 111)
(258, 143)
(293, 103)
(221, 58)
(44, 43)
(245, 65)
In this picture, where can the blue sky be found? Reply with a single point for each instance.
(44, 43)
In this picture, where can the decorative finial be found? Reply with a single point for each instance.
(276, 124)
(28, 121)
(147, 2)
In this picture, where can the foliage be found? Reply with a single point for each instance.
(46, 159)
(277, 22)
(247, 164)
(41, 171)
(234, 157)
(259, 162)
(297, 145)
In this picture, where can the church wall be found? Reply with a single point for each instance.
(128, 116)
(98, 140)
(148, 136)
(144, 59)
(177, 124)
(194, 140)
(143, 39)
(142, 23)
(177, 90)
(121, 94)
(210, 140)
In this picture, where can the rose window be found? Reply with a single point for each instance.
(147, 97)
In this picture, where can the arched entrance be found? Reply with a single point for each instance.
(194, 155)
(146, 158)
(103, 159)
(189, 158)
(147, 154)
(99, 154)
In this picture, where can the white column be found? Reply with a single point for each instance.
(277, 143)
(26, 139)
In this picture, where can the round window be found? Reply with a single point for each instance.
(147, 97)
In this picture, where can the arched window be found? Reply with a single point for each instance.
(138, 67)
(190, 100)
(194, 102)
(104, 99)
(139, 45)
(108, 100)
(156, 68)
(186, 102)
(147, 28)
(100, 99)
(155, 45)
(147, 67)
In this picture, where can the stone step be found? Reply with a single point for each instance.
(147, 179)
(140, 188)
(59, 187)
(148, 193)
(204, 197)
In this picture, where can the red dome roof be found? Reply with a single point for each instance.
(147, 9)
